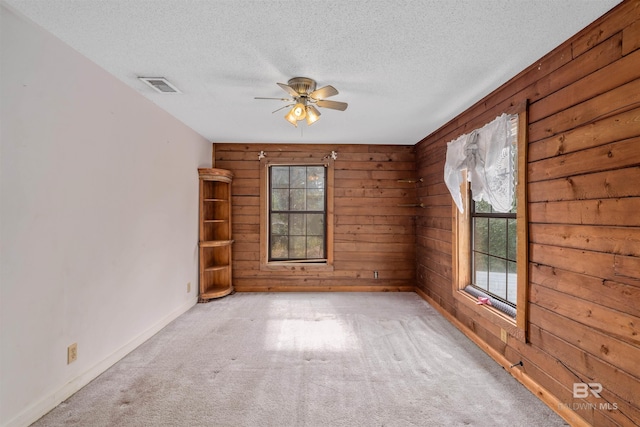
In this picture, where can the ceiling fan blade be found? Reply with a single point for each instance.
(279, 99)
(291, 91)
(324, 92)
(281, 108)
(334, 105)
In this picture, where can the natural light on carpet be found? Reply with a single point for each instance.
(313, 328)
(302, 335)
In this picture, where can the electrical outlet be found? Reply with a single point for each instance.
(375, 274)
(188, 287)
(72, 353)
(503, 335)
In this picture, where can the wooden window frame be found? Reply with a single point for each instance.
(461, 242)
(265, 264)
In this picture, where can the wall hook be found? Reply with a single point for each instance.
(262, 155)
(516, 364)
(333, 155)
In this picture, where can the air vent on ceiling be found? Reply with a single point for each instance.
(160, 84)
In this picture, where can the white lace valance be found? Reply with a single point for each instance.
(488, 155)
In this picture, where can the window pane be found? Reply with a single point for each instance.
(279, 247)
(512, 281)
(280, 177)
(280, 200)
(498, 237)
(483, 207)
(297, 226)
(315, 177)
(315, 247)
(297, 247)
(298, 176)
(315, 199)
(279, 224)
(297, 200)
(512, 240)
(480, 270)
(498, 277)
(481, 235)
(315, 224)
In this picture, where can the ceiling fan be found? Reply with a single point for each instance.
(304, 98)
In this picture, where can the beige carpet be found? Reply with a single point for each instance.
(306, 359)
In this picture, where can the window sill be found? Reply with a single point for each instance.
(296, 267)
(491, 314)
(493, 302)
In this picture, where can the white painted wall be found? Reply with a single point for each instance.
(99, 206)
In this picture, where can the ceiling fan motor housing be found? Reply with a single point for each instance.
(302, 85)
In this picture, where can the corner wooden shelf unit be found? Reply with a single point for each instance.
(215, 233)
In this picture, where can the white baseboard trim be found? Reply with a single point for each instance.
(45, 404)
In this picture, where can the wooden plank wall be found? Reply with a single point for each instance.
(371, 232)
(584, 220)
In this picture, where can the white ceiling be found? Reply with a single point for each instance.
(405, 67)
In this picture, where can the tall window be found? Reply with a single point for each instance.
(490, 244)
(494, 232)
(297, 213)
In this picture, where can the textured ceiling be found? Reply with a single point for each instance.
(405, 67)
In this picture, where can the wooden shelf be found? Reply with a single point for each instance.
(215, 293)
(215, 234)
(215, 243)
(216, 268)
(214, 174)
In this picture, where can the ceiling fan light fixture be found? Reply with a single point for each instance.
(313, 115)
(299, 111)
(291, 118)
(306, 98)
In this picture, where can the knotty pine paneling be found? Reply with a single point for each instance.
(614, 240)
(616, 155)
(371, 232)
(606, 79)
(584, 231)
(590, 186)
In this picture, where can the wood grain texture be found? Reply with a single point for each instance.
(372, 232)
(615, 128)
(631, 38)
(601, 81)
(598, 185)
